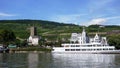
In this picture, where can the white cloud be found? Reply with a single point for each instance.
(6, 15)
(101, 20)
(73, 18)
(114, 17)
(82, 19)
(97, 21)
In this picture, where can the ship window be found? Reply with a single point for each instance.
(89, 45)
(111, 49)
(67, 49)
(83, 49)
(77, 49)
(88, 49)
(98, 49)
(105, 49)
(72, 49)
(77, 46)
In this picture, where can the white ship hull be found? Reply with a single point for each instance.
(89, 52)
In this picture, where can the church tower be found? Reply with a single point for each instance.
(33, 31)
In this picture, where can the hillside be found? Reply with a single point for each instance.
(51, 30)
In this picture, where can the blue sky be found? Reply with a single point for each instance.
(81, 12)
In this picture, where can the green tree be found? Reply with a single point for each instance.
(23, 43)
(114, 40)
(7, 36)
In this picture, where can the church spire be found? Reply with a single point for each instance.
(83, 32)
(84, 35)
(96, 36)
(83, 29)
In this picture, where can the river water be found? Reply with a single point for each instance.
(49, 60)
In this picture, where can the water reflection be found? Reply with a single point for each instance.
(32, 60)
(48, 60)
(84, 60)
(45, 60)
(13, 60)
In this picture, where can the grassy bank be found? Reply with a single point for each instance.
(31, 49)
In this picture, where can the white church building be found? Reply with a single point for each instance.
(82, 38)
(33, 38)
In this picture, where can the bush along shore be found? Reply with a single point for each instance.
(30, 49)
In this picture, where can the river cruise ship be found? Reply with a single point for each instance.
(81, 43)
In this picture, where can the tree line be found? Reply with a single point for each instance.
(8, 37)
(11, 29)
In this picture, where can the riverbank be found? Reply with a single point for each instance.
(30, 49)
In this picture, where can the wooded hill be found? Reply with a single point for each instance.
(51, 30)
